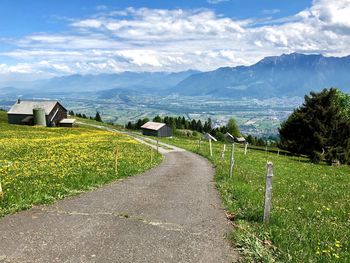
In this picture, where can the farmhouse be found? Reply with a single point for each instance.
(156, 129)
(49, 113)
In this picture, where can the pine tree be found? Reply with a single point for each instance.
(98, 117)
(157, 119)
(318, 129)
(139, 123)
(199, 126)
(193, 125)
(184, 123)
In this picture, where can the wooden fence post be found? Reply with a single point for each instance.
(223, 152)
(199, 144)
(232, 162)
(157, 146)
(210, 148)
(268, 192)
(1, 192)
(278, 152)
(151, 154)
(116, 160)
(245, 148)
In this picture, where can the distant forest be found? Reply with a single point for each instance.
(181, 123)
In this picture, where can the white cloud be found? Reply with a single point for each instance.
(215, 2)
(270, 11)
(172, 40)
(92, 23)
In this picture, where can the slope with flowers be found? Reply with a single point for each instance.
(39, 165)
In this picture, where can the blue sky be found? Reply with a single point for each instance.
(51, 38)
(21, 17)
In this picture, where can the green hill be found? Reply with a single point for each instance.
(39, 165)
(310, 218)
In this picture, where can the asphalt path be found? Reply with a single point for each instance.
(171, 213)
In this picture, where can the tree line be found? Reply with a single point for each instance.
(181, 123)
(80, 115)
(174, 123)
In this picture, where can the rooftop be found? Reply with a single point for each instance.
(27, 106)
(68, 121)
(151, 125)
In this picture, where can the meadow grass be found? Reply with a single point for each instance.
(310, 218)
(39, 165)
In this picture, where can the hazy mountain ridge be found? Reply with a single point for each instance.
(286, 75)
(146, 81)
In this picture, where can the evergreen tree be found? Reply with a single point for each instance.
(157, 119)
(199, 126)
(184, 123)
(144, 120)
(139, 123)
(251, 140)
(172, 123)
(207, 126)
(98, 117)
(319, 128)
(129, 125)
(193, 125)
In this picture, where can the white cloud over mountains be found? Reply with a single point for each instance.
(172, 40)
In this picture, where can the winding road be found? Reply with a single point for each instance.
(171, 213)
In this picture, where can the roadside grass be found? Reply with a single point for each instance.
(39, 165)
(310, 218)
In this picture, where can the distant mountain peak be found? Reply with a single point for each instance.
(293, 74)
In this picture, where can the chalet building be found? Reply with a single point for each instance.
(49, 113)
(156, 129)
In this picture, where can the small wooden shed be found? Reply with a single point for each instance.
(156, 129)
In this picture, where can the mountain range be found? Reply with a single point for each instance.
(286, 75)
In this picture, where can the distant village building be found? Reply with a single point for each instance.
(156, 129)
(49, 113)
(240, 140)
(231, 139)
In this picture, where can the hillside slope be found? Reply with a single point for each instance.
(39, 165)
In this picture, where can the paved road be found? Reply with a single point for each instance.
(169, 214)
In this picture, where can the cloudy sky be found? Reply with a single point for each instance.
(45, 38)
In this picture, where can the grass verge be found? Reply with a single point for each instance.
(310, 219)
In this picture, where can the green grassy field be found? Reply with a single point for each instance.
(39, 165)
(310, 219)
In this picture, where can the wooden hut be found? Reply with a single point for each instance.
(156, 129)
